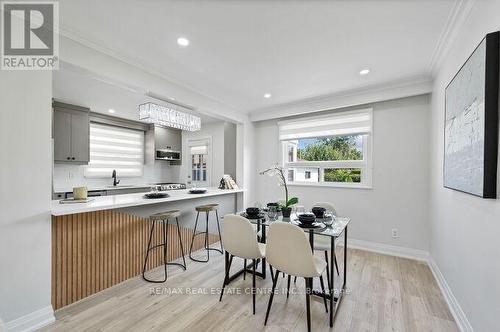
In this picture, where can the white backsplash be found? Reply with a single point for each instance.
(66, 177)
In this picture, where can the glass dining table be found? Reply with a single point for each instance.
(333, 227)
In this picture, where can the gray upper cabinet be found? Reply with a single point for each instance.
(71, 134)
(168, 138)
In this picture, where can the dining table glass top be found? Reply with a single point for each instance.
(330, 226)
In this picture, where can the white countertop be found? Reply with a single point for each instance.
(127, 200)
(107, 188)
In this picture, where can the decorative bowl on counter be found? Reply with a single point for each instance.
(155, 195)
(197, 191)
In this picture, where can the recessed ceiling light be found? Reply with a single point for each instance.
(183, 41)
(365, 71)
(171, 98)
(267, 95)
(111, 110)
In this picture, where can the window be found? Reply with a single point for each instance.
(333, 150)
(115, 148)
(200, 162)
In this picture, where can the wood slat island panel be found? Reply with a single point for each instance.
(95, 250)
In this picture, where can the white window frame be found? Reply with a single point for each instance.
(365, 165)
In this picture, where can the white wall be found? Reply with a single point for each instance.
(25, 191)
(400, 178)
(464, 228)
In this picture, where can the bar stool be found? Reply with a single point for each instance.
(163, 217)
(205, 208)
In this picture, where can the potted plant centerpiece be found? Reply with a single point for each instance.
(286, 207)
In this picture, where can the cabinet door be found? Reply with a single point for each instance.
(176, 139)
(80, 137)
(62, 136)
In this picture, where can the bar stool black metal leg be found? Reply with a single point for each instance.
(180, 242)
(165, 245)
(147, 251)
(218, 227)
(206, 240)
(244, 269)
(192, 241)
(147, 256)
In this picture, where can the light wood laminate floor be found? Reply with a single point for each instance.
(385, 294)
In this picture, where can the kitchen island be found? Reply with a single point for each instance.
(101, 243)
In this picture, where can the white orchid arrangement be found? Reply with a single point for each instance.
(278, 172)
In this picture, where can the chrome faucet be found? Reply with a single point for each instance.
(115, 181)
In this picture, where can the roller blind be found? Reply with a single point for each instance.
(115, 148)
(201, 149)
(336, 124)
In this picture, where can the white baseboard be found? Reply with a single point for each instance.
(387, 249)
(32, 321)
(455, 308)
(420, 255)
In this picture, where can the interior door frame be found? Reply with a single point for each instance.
(193, 142)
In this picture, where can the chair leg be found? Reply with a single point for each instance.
(336, 265)
(327, 269)
(275, 281)
(323, 291)
(253, 284)
(165, 246)
(147, 251)
(295, 280)
(288, 286)
(192, 241)
(271, 269)
(206, 239)
(180, 242)
(226, 277)
(218, 227)
(244, 269)
(308, 303)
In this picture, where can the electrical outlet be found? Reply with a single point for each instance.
(395, 233)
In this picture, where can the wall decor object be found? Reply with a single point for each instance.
(471, 122)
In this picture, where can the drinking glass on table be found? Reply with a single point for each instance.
(300, 209)
(272, 213)
(328, 218)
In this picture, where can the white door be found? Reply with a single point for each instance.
(200, 162)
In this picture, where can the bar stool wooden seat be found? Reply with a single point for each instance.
(163, 218)
(207, 208)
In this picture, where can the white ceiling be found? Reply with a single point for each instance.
(241, 49)
(75, 86)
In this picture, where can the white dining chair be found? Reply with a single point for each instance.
(240, 240)
(288, 250)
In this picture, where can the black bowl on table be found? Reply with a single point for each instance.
(252, 211)
(319, 212)
(197, 191)
(276, 205)
(307, 218)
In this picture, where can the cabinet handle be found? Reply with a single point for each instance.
(73, 158)
(68, 158)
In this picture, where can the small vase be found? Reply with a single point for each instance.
(286, 211)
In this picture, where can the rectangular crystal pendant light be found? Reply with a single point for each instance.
(169, 116)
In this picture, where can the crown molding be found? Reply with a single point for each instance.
(459, 13)
(365, 95)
